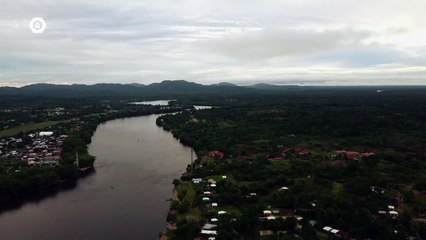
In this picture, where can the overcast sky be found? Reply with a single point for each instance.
(336, 42)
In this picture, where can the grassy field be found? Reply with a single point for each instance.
(26, 127)
(190, 194)
(336, 188)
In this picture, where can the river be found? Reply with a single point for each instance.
(124, 199)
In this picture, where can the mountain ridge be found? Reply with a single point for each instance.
(166, 87)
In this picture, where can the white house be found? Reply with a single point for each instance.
(45, 134)
(327, 229)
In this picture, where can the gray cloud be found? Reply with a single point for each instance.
(327, 41)
(271, 43)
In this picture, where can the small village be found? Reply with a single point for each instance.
(213, 214)
(38, 148)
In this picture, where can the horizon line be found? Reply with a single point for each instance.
(3, 85)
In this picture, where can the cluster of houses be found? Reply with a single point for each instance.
(268, 215)
(209, 231)
(390, 212)
(287, 152)
(216, 154)
(352, 155)
(42, 148)
(303, 152)
(336, 232)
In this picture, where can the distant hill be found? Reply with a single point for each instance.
(167, 87)
(176, 86)
(225, 84)
(266, 86)
(75, 90)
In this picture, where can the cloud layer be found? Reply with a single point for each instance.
(306, 41)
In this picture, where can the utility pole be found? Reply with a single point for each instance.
(76, 159)
(192, 160)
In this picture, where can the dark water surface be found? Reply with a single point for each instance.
(124, 199)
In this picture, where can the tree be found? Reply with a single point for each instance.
(308, 231)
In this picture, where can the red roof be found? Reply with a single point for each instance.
(367, 154)
(219, 154)
(286, 149)
(301, 151)
(349, 154)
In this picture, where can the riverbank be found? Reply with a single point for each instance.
(23, 183)
(124, 198)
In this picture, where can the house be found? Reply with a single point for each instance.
(197, 180)
(266, 233)
(219, 154)
(216, 154)
(267, 212)
(367, 154)
(273, 159)
(285, 151)
(208, 232)
(209, 226)
(313, 223)
(353, 155)
(327, 228)
(393, 213)
(381, 214)
(301, 151)
(45, 134)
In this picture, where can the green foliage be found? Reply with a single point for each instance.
(421, 184)
(252, 129)
(186, 230)
(308, 231)
(176, 182)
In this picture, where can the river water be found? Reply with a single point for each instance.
(124, 199)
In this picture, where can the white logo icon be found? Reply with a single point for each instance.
(37, 25)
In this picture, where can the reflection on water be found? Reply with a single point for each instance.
(126, 197)
(37, 197)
